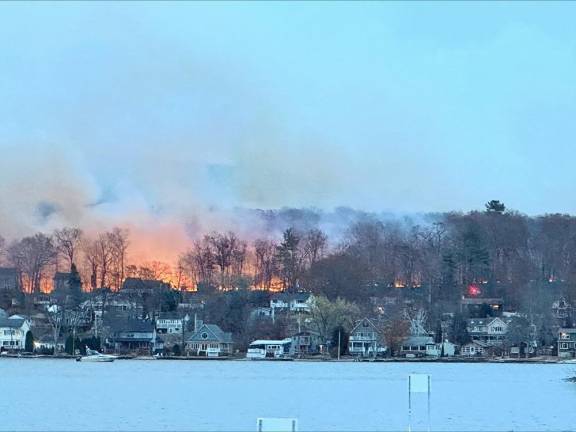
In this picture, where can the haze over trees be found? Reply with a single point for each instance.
(496, 253)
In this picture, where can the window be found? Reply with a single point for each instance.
(204, 335)
(565, 336)
(563, 345)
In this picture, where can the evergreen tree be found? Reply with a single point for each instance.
(29, 344)
(75, 287)
(495, 206)
(288, 256)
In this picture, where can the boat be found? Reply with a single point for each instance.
(95, 356)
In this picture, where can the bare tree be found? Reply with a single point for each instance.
(314, 246)
(105, 258)
(31, 256)
(55, 315)
(265, 265)
(118, 245)
(90, 249)
(67, 243)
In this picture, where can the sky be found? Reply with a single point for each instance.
(162, 111)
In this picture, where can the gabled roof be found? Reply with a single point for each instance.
(12, 322)
(214, 333)
(362, 321)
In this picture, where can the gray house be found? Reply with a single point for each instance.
(209, 340)
(305, 343)
(131, 335)
(567, 342)
(9, 279)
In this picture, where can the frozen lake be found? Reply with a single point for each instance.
(137, 395)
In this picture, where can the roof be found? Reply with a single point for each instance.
(214, 332)
(479, 301)
(126, 324)
(168, 316)
(486, 321)
(143, 284)
(363, 320)
(12, 322)
(271, 341)
(479, 343)
(418, 340)
(61, 276)
(287, 297)
(8, 272)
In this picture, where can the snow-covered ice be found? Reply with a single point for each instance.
(230, 395)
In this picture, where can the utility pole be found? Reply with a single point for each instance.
(339, 336)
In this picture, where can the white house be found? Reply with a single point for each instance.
(13, 332)
(294, 302)
(169, 323)
(474, 349)
(263, 348)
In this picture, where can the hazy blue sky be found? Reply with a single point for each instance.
(380, 106)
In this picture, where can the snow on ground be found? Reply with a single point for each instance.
(45, 394)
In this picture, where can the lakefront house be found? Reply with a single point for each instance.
(567, 342)
(364, 339)
(13, 332)
(209, 340)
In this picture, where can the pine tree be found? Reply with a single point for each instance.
(74, 286)
(29, 343)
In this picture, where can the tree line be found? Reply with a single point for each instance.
(496, 253)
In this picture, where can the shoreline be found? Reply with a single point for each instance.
(534, 360)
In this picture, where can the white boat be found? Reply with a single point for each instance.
(95, 356)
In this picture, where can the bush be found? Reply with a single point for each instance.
(176, 350)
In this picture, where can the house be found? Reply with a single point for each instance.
(305, 343)
(140, 286)
(261, 313)
(567, 342)
(561, 309)
(364, 339)
(9, 279)
(264, 348)
(45, 344)
(294, 302)
(13, 332)
(474, 349)
(491, 331)
(131, 335)
(417, 346)
(169, 323)
(61, 282)
(481, 307)
(209, 340)
(441, 349)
